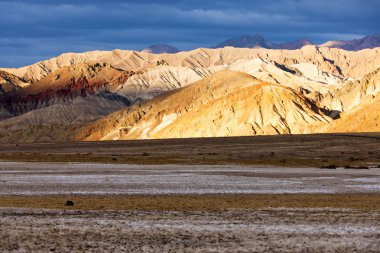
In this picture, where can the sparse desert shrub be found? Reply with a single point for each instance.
(69, 203)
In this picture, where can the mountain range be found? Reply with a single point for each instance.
(122, 94)
(161, 48)
(258, 41)
(355, 45)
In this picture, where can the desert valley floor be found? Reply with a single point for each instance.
(212, 139)
(148, 197)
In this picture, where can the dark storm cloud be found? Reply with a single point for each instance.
(33, 30)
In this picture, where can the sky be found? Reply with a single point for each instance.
(34, 30)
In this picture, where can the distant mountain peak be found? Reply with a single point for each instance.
(247, 41)
(256, 37)
(370, 41)
(296, 44)
(161, 49)
(258, 41)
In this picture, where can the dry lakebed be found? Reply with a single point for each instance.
(187, 208)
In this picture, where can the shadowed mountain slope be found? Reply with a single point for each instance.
(64, 84)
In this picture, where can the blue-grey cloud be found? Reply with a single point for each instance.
(33, 30)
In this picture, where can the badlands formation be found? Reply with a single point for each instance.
(120, 94)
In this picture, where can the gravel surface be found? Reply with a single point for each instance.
(265, 230)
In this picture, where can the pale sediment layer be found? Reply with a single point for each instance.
(61, 179)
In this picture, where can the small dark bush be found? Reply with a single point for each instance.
(69, 203)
